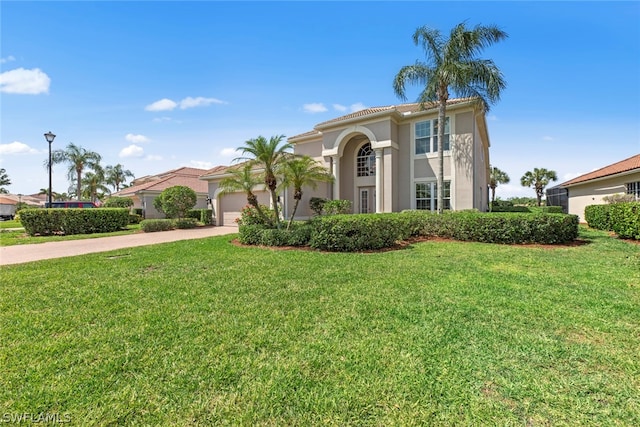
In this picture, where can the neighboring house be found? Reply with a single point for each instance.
(592, 187)
(144, 190)
(384, 159)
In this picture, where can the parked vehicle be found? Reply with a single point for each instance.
(71, 204)
(7, 211)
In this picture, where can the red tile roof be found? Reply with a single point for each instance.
(188, 177)
(625, 165)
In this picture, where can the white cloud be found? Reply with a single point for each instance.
(164, 104)
(17, 147)
(153, 157)
(228, 152)
(27, 82)
(136, 139)
(358, 106)
(132, 151)
(339, 107)
(162, 119)
(314, 107)
(547, 138)
(201, 165)
(7, 59)
(200, 101)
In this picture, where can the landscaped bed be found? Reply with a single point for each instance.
(203, 332)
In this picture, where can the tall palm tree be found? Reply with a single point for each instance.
(270, 155)
(302, 172)
(538, 180)
(245, 179)
(496, 177)
(452, 65)
(78, 160)
(4, 180)
(93, 184)
(116, 176)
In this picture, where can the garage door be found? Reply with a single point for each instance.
(231, 205)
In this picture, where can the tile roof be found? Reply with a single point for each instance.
(188, 177)
(400, 108)
(625, 165)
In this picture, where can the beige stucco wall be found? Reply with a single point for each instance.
(592, 193)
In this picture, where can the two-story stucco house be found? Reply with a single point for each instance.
(384, 159)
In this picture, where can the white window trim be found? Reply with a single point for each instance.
(414, 202)
(431, 154)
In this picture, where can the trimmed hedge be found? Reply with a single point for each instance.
(204, 216)
(528, 209)
(46, 222)
(153, 225)
(598, 217)
(352, 233)
(621, 218)
(258, 234)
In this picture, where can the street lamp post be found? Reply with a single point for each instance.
(49, 137)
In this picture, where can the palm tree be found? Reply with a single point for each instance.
(245, 179)
(78, 159)
(452, 64)
(302, 172)
(93, 184)
(269, 155)
(497, 177)
(116, 176)
(4, 180)
(538, 179)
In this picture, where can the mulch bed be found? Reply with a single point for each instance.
(408, 243)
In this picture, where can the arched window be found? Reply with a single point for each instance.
(366, 161)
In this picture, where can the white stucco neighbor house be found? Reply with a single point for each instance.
(591, 188)
(145, 189)
(384, 159)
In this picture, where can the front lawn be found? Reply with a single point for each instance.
(203, 332)
(20, 237)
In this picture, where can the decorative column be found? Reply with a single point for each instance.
(335, 171)
(379, 181)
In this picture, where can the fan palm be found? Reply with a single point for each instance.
(302, 172)
(270, 155)
(538, 180)
(496, 177)
(116, 176)
(452, 65)
(78, 160)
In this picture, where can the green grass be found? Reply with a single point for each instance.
(10, 224)
(20, 237)
(203, 332)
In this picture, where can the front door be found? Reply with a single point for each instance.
(367, 200)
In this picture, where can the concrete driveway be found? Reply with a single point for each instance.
(38, 251)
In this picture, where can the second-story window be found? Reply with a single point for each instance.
(426, 136)
(366, 161)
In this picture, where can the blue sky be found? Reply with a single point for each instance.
(159, 85)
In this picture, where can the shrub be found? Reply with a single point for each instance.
(152, 225)
(507, 208)
(354, 233)
(337, 207)
(118, 202)
(316, 204)
(176, 201)
(204, 216)
(625, 220)
(137, 211)
(619, 198)
(249, 215)
(184, 223)
(258, 234)
(598, 217)
(73, 221)
(135, 218)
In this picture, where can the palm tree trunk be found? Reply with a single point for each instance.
(295, 208)
(442, 111)
(79, 187)
(253, 201)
